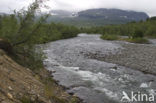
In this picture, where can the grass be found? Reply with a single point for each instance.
(132, 40)
(49, 88)
(109, 37)
(26, 100)
(137, 40)
(52, 90)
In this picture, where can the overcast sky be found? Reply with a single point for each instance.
(148, 6)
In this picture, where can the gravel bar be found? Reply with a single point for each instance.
(136, 56)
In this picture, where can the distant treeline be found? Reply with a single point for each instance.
(143, 28)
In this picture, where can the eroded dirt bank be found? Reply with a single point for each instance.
(20, 85)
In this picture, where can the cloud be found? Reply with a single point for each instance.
(10, 5)
(137, 5)
(147, 6)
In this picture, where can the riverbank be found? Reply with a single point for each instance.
(20, 85)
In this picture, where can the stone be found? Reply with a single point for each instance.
(11, 79)
(10, 88)
(115, 67)
(2, 99)
(33, 98)
(4, 102)
(9, 95)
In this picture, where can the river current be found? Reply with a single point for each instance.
(92, 80)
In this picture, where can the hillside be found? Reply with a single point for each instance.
(16, 81)
(113, 14)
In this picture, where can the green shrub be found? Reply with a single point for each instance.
(138, 33)
(26, 100)
(109, 37)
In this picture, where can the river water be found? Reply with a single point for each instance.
(92, 80)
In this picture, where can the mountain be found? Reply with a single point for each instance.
(113, 14)
(1, 13)
(96, 17)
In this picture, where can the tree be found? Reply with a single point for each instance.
(27, 23)
(19, 29)
(138, 33)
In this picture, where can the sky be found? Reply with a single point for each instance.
(148, 6)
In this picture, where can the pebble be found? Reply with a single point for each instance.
(10, 88)
(1, 99)
(9, 95)
(4, 102)
(115, 67)
(12, 80)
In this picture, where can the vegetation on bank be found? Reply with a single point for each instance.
(137, 40)
(136, 31)
(23, 35)
(110, 37)
(22, 31)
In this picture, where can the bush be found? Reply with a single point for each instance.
(138, 33)
(109, 37)
(137, 40)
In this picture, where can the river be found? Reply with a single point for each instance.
(90, 79)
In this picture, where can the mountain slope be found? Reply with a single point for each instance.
(113, 14)
(97, 17)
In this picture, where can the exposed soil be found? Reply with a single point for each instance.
(20, 85)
